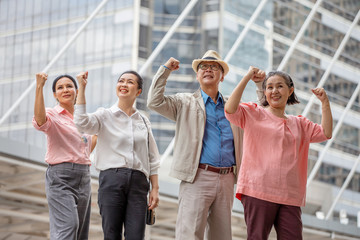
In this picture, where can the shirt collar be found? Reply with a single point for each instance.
(207, 97)
(115, 109)
(59, 109)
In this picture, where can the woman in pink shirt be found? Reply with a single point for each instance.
(67, 182)
(272, 179)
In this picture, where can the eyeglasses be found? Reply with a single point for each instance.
(206, 66)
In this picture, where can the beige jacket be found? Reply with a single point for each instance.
(188, 111)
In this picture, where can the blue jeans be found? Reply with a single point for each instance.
(123, 201)
(68, 191)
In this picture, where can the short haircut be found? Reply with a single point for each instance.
(289, 82)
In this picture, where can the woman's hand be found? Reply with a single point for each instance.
(154, 198)
(253, 73)
(320, 94)
(326, 115)
(82, 79)
(39, 105)
(41, 79)
(256, 74)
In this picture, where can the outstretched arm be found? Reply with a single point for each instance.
(157, 101)
(326, 118)
(253, 73)
(82, 80)
(39, 106)
(87, 123)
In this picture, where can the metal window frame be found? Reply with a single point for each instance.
(57, 56)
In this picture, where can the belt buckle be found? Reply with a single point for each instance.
(206, 167)
(224, 171)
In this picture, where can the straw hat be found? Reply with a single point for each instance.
(212, 56)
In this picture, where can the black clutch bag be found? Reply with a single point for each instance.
(150, 217)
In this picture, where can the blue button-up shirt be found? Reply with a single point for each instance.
(218, 142)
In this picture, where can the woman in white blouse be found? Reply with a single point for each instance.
(126, 155)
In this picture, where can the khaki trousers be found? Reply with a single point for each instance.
(205, 207)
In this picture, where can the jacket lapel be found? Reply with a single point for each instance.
(199, 99)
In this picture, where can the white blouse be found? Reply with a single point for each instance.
(123, 141)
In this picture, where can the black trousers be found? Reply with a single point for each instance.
(123, 201)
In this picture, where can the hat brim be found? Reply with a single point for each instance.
(223, 64)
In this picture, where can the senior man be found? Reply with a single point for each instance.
(207, 149)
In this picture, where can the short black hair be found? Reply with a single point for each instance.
(61, 76)
(289, 82)
(139, 80)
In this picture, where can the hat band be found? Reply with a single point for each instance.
(211, 58)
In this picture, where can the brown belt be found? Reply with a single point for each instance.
(220, 170)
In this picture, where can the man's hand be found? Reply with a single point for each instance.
(172, 64)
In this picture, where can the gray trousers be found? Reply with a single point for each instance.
(68, 191)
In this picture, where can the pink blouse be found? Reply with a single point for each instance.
(64, 142)
(275, 154)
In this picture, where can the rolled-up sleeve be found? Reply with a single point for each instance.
(43, 127)
(46, 126)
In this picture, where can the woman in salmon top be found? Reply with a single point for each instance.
(67, 182)
(272, 180)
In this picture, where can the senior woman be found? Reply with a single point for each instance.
(272, 179)
(67, 182)
(126, 155)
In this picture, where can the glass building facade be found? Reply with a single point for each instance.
(33, 32)
(124, 34)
